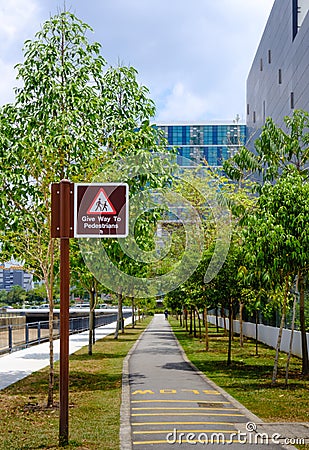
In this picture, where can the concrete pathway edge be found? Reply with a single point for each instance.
(125, 422)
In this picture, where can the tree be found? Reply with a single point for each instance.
(276, 150)
(63, 119)
(16, 296)
(51, 132)
(278, 238)
(279, 150)
(3, 297)
(36, 295)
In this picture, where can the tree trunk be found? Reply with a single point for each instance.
(199, 325)
(206, 330)
(232, 324)
(194, 323)
(291, 340)
(217, 321)
(191, 325)
(91, 319)
(121, 323)
(275, 370)
(257, 332)
(229, 353)
(139, 313)
(49, 289)
(241, 331)
(224, 321)
(304, 347)
(133, 312)
(119, 316)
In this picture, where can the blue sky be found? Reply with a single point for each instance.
(194, 56)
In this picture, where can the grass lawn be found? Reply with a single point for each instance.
(95, 398)
(95, 391)
(248, 379)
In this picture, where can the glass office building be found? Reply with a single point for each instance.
(14, 275)
(278, 81)
(208, 144)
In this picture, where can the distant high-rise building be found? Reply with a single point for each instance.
(14, 275)
(205, 143)
(278, 81)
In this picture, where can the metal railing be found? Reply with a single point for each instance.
(19, 336)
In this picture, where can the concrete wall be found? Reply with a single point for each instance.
(266, 334)
(12, 320)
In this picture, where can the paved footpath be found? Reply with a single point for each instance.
(167, 403)
(18, 365)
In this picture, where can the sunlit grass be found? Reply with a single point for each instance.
(248, 379)
(95, 398)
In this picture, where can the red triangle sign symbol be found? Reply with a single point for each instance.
(101, 204)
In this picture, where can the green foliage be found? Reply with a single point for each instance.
(3, 297)
(277, 234)
(276, 150)
(241, 166)
(36, 295)
(16, 296)
(69, 118)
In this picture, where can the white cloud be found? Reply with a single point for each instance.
(206, 49)
(8, 81)
(194, 57)
(18, 23)
(182, 104)
(16, 18)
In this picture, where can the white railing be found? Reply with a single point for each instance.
(266, 334)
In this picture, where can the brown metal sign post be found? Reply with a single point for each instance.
(98, 211)
(62, 227)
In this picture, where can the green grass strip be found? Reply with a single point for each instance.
(95, 399)
(248, 378)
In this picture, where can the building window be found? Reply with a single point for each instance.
(248, 109)
(300, 9)
(294, 18)
(254, 118)
(292, 100)
(269, 56)
(261, 65)
(280, 76)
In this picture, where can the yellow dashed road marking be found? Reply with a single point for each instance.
(184, 408)
(137, 424)
(172, 401)
(182, 441)
(187, 414)
(183, 431)
(203, 406)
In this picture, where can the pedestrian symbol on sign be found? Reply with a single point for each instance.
(101, 204)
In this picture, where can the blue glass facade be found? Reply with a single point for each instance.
(278, 81)
(207, 144)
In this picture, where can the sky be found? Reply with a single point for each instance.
(194, 56)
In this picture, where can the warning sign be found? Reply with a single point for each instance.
(101, 210)
(101, 204)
